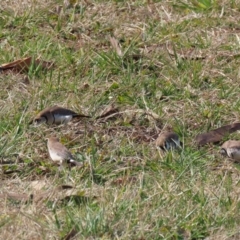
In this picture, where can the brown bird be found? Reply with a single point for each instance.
(231, 148)
(168, 141)
(56, 115)
(59, 153)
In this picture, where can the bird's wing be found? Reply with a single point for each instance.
(62, 111)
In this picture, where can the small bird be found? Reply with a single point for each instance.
(231, 148)
(168, 141)
(59, 153)
(56, 115)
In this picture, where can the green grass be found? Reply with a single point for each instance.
(180, 61)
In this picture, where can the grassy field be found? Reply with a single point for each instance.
(162, 65)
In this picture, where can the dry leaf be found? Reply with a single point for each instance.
(216, 135)
(71, 234)
(109, 112)
(115, 44)
(209, 137)
(130, 115)
(16, 196)
(18, 64)
(23, 65)
(124, 180)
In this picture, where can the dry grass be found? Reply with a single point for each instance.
(176, 66)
